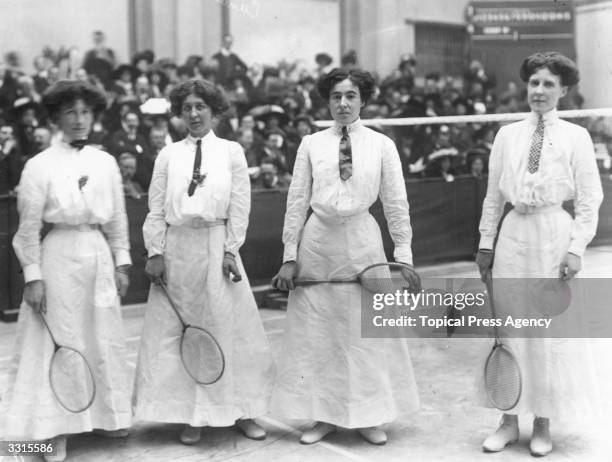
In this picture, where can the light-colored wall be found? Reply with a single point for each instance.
(282, 29)
(29, 25)
(594, 53)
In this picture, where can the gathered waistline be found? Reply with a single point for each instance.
(338, 219)
(523, 209)
(198, 222)
(80, 227)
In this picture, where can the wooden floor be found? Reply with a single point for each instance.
(448, 427)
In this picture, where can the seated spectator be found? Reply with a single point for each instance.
(25, 113)
(269, 177)
(273, 148)
(124, 77)
(127, 166)
(246, 139)
(158, 139)
(477, 166)
(42, 138)
(10, 160)
(127, 138)
(439, 162)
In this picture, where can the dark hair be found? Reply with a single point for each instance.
(67, 92)
(555, 62)
(212, 96)
(362, 79)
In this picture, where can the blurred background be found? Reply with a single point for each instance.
(429, 59)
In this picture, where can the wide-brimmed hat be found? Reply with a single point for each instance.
(21, 105)
(267, 111)
(118, 72)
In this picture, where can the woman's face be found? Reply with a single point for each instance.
(75, 120)
(197, 116)
(477, 166)
(544, 89)
(345, 102)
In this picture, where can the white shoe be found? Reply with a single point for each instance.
(317, 433)
(541, 442)
(373, 435)
(505, 435)
(59, 449)
(190, 435)
(251, 429)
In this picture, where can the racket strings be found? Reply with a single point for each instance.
(502, 379)
(71, 380)
(202, 356)
(379, 279)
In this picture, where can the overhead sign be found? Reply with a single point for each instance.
(520, 20)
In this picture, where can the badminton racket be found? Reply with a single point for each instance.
(502, 374)
(201, 354)
(376, 278)
(71, 377)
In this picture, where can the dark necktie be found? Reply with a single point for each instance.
(196, 178)
(536, 147)
(346, 156)
(78, 144)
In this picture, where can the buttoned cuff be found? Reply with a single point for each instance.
(290, 252)
(122, 257)
(32, 272)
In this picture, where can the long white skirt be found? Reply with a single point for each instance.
(83, 312)
(327, 371)
(558, 374)
(164, 392)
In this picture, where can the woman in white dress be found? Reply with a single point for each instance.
(536, 164)
(76, 274)
(193, 233)
(328, 373)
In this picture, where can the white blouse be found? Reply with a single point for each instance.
(224, 194)
(567, 170)
(49, 191)
(377, 172)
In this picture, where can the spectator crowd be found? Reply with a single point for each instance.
(272, 108)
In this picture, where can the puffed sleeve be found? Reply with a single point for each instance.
(589, 193)
(493, 205)
(154, 228)
(116, 229)
(395, 202)
(31, 198)
(240, 201)
(298, 200)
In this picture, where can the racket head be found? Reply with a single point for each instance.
(72, 380)
(378, 278)
(502, 377)
(202, 356)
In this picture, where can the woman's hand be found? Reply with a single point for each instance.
(122, 279)
(156, 269)
(230, 267)
(413, 278)
(484, 260)
(284, 280)
(34, 295)
(570, 265)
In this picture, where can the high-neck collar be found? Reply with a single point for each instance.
(549, 117)
(350, 127)
(192, 139)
